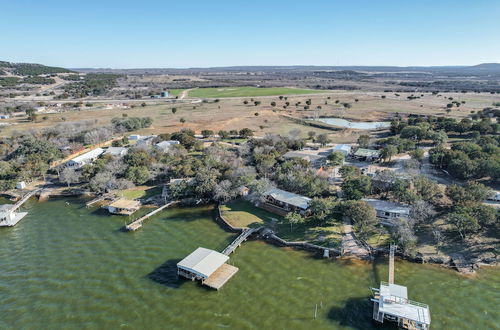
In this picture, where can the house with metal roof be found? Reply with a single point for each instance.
(314, 159)
(207, 266)
(343, 148)
(86, 158)
(387, 211)
(116, 151)
(368, 155)
(282, 202)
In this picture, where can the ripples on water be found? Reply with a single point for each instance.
(65, 266)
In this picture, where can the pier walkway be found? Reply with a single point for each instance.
(99, 199)
(240, 239)
(136, 224)
(23, 200)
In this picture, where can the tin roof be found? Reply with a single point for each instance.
(387, 206)
(88, 155)
(203, 262)
(289, 198)
(361, 152)
(303, 155)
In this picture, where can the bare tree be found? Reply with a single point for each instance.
(69, 175)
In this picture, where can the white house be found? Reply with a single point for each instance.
(281, 202)
(116, 151)
(343, 148)
(165, 146)
(86, 158)
(387, 211)
(134, 137)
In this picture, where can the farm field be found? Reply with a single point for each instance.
(248, 92)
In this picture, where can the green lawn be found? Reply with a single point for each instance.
(136, 193)
(248, 92)
(175, 92)
(240, 213)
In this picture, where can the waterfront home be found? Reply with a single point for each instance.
(86, 158)
(367, 155)
(388, 211)
(207, 266)
(116, 151)
(343, 148)
(8, 215)
(123, 206)
(282, 202)
(315, 160)
(164, 146)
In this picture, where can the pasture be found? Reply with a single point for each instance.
(248, 92)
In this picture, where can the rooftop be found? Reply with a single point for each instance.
(115, 150)
(289, 198)
(203, 262)
(303, 155)
(88, 155)
(394, 301)
(387, 206)
(361, 152)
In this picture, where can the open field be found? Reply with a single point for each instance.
(240, 213)
(248, 92)
(231, 113)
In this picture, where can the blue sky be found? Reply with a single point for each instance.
(133, 34)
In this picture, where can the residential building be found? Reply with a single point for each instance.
(282, 202)
(315, 160)
(368, 155)
(343, 148)
(86, 158)
(116, 151)
(388, 211)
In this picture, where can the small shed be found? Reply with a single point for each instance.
(207, 266)
(21, 185)
(123, 206)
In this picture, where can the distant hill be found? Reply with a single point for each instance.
(484, 67)
(31, 69)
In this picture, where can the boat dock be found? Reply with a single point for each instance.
(8, 215)
(240, 239)
(391, 303)
(136, 224)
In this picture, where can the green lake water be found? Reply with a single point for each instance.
(66, 266)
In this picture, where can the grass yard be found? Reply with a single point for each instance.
(240, 213)
(248, 92)
(140, 192)
(175, 92)
(327, 235)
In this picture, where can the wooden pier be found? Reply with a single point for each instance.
(240, 239)
(136, 224)
(392, 250)
(99, 199)
(23, 199)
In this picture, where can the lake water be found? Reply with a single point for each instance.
(354, 124)
(66, 266)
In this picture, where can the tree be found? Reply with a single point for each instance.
(388, 152)
(246, 133)
(421, 213)
(207, 133)
(336, 158)
(223, 134)
(471, 192)
(174, 110)
(417, 154)
(224, 192)
(347, 171)
(69, 175)
(404, 236)
(182, 120)
(322, 208)
(256, 103)
(364, 141)
(323, 139)
(273, 104)
(311, 135)
(463, 223)
(355, 188)
(245, 102)
(362, 215)
(293, 218)
(137, 174)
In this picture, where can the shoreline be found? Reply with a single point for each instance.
(267, 235)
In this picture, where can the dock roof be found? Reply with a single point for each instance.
(394, 301)
(289, 198)
(203, 262)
